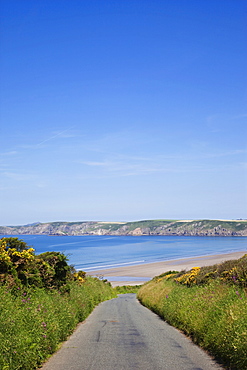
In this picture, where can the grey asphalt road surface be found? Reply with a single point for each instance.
(121, 334)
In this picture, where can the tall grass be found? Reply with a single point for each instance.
(213, 314)
(127, 289)
(33, 321)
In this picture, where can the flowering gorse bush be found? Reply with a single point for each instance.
(230, 272)
(20, 266)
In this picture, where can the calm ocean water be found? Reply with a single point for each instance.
(96, 252)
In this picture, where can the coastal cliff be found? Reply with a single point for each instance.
(137, 228)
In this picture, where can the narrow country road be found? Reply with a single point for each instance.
(121, 334)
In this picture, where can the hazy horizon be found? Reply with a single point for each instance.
(123, 222)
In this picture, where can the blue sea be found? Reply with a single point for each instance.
(101, 252)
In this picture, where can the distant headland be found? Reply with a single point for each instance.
(136, 228)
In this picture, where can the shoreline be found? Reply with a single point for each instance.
(138, 274)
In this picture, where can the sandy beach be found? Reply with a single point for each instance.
(138, 274)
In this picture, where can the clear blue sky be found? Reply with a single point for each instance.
(123, 110)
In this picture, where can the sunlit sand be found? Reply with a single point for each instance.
(149, 270)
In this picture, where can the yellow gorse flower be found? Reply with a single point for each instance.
(166, 277)
(190, 277)
(26, 254)
(78, 276)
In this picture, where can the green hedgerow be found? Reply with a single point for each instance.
(41, 302)
(207, 306)
(33, 321)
